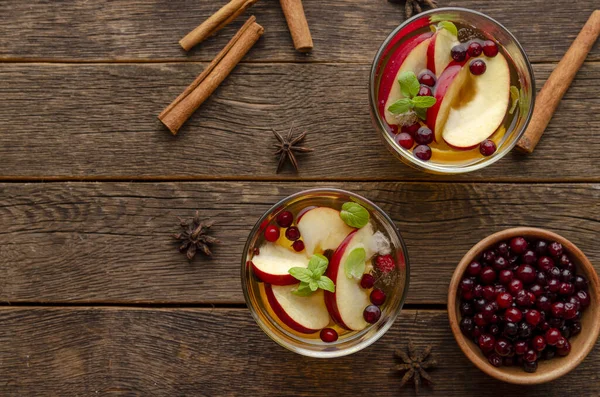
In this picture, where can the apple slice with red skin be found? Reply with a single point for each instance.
(273, 263)
(321, 229)
(439, 51)
(347, 303)
(305, 314)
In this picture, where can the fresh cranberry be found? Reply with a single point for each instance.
(475, 49)
(272, 233)
(503, 347)
(560, 343)
(536, 290)
(533, 317)
(540, 278)
(476, 332)
(521, 347)
(488, 256)
(500, 263)
(538, 343)
(466, 308)
(529, 257)
(556, 322)
(459, 52)
(505, 276)
(554, 272)
(466, 325)
(558, 309)
(525, 330)
(285, 219)
(515, 286)
(513, 315)
(543, 326)
(427, 77)
(503, 249)
(575, 301)
(545, 263)
(488, 275)
(565, 350)
(510, 330)
(372, 314)
(564, 260)
(467, 284)
(565, 331)
(504, 300)
(575, 328)
(543, 303)
(522, 299)
(292, 233)
(422, 152)
(477, 67)
(478, 290)
(581, 283)
(405, 140)
(487, 343)
(480, 304)
(490, 49)
(425, 91)
(474, 268)
(494, 329)
(328, 335)
(495, 360)
(555, 249)
(518, 245)
(570, 311)
(488, 311)
(298, 245)
(566, 289)
(411, 129)
(384, 263)
(489, 292)
(513, 260)
(552, 336)
(566, 276)
(530, 356)
(526, 273)
(530, 367)
(487, 147)
(424, 136)
(499, 288)
(541, 247)
(553, 285)
(367, 281)
(479, 320)
(584, 298)
(377, 297)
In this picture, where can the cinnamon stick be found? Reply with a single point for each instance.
(558, 83)
(216, 22)
(207, 82)
(296, 20)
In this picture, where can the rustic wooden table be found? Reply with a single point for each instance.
(95, 298)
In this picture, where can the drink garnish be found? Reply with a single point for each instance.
(312, 278)
(354, 266)
(287, 146)
(195, 237)
(410, 86)
(514, 96)
(354, 214)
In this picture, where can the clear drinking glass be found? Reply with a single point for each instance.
(349, 341)
(510, 47)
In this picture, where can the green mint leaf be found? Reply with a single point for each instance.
(449, 26)
(401, 106)
(313, 285)
(355, 263)
(317, 265)
(514, 95)
(422, 113)
(302, 290)
(301, 273)
(325, 283)
(354, 214)
(409, 84)
(423, 102)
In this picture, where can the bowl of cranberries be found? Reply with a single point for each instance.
(524, 305)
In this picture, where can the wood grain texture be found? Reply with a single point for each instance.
(343, 30)
(111, 242)
(89, 351)
(99, 121)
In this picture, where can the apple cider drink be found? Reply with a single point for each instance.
(448, 92)
(324, 268)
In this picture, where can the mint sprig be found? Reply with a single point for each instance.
(312, 277)
(409, 86)
(354, 266)
(354, 215)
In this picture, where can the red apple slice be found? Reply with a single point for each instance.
(273, 262)
(305, 314)
(347, 303)
(321, 229)
(473, 121)
(439, 51)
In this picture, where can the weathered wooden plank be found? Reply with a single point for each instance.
(111, 242)
(343, 30)
(88, 351)
(99, 121)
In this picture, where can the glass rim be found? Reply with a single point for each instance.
(442, 169)
(334, 353)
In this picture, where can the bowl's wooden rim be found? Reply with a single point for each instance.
(569, 362)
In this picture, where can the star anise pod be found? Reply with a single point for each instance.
(287, 147)
(415, 365)
(194, 237)
(412, 7)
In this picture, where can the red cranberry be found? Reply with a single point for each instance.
(467, 325)
(556, 322)
(566, 289)
(411, 129)
(377, 297)
(560, 343)
(505, 276)
(488, 275)
(545, 263)
(487, 147)
(427, 77)
(515, 286)
(581, 283)
(494, 329)
(488, 256)
(328, 335)
(285, 219)
(552, 336)
(530, 356)
(584, 298)
(272, 233)
(489, 292)
(565, 332)
(510, 330)
(503, 347)
(477, 67)
(490, 49)
(564, 260)
(474, 268)
(425, 91)
(503, 249)
(500, 263)
(500, 289)
(574, 300)
(575, 328)
(526, 273)
(570, 311)
(554, 272)
(488, 311)
(466, 309)
(525, 330)
(540, 278)
(543, 303)
(478, 290)
(298, 245)
(476, 332)
(459, 53)
(495, 360)
(405, 140)
(558, 309)
(518, 245)
(487, 343)
(536, 290)
(538, 343)
(523, 299)
(504, 300)
(292, 233)
(480, 304)
(541, 247)
(422, 152)
(385, 263)
(513, 315)
(555, 249)
(533, 317)
(529, 257)
(543, 326)
(565, 350)
(521, 347)
(553, 285)
(530, 367)
(424, 136)
(475, 49)
(367, 281)
(467, 284)
(372, 314)
(479, 320)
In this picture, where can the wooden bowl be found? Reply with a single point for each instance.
(581, 344)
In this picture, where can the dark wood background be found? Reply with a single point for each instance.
(94, 298)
